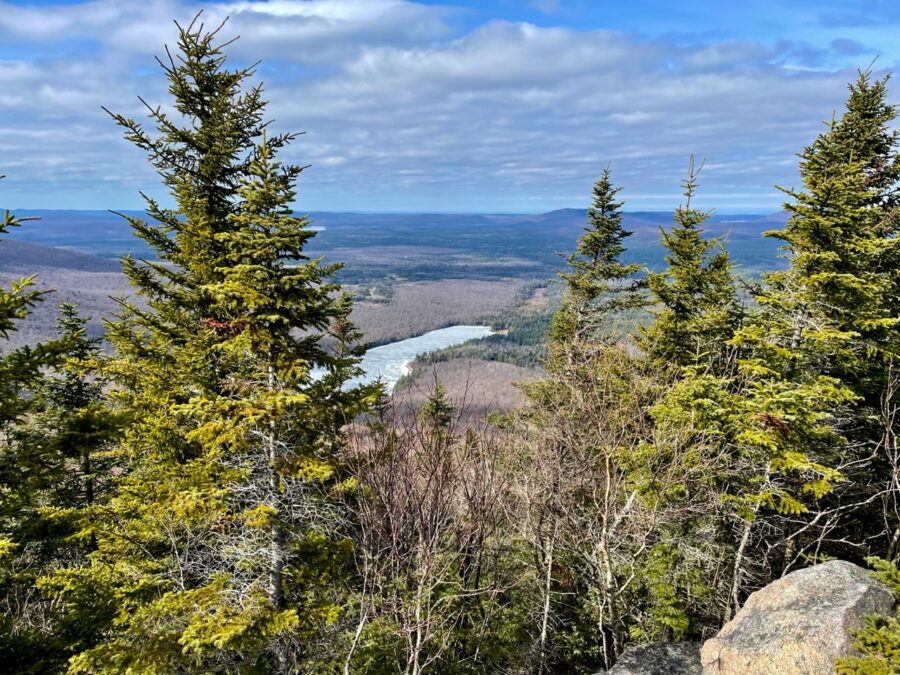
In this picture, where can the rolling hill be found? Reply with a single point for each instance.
(426, 246)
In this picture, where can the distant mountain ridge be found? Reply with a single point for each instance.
(424, 245)
(24, 256)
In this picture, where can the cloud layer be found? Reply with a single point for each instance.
(410, 107)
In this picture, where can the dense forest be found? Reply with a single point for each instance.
(193, 500)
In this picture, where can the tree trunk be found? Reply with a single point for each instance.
(88, 490)
(735, 602)
(548, 581)
(276, 546)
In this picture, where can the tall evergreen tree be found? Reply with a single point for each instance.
(598, 283)
(762, 442)
(697, 309)
(219, 548)
(840, 239)
(866, 130)
(599, 512)
(834, 312)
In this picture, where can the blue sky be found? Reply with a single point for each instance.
(494, 106)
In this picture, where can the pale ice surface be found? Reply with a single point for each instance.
(391, 361)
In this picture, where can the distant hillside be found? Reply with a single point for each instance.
(15, 255)
(85, 280)
(406, 309)
(425, 246)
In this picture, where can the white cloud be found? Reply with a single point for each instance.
(404, 112)
(346, 10)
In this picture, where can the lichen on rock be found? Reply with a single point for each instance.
(799, 624)
(661, 658)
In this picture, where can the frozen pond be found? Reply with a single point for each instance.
(390, 361)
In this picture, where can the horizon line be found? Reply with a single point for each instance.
(726, 210)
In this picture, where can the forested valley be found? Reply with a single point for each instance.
(190, 498)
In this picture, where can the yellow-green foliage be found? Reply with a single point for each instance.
(200, 513)
(220, 546)
(879, 640)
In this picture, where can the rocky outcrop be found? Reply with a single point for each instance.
(797, 625)
(661, 658)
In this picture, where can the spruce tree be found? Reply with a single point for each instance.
(833, 313)
(43, 443)
(22, 475)
(580, 432)
(866, 130)
(840, 238)
(696, 307)
(762, 442)
(61, 470)
(77, 424)
(598, 283)
(219, 548)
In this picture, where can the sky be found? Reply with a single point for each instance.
(499, 106)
